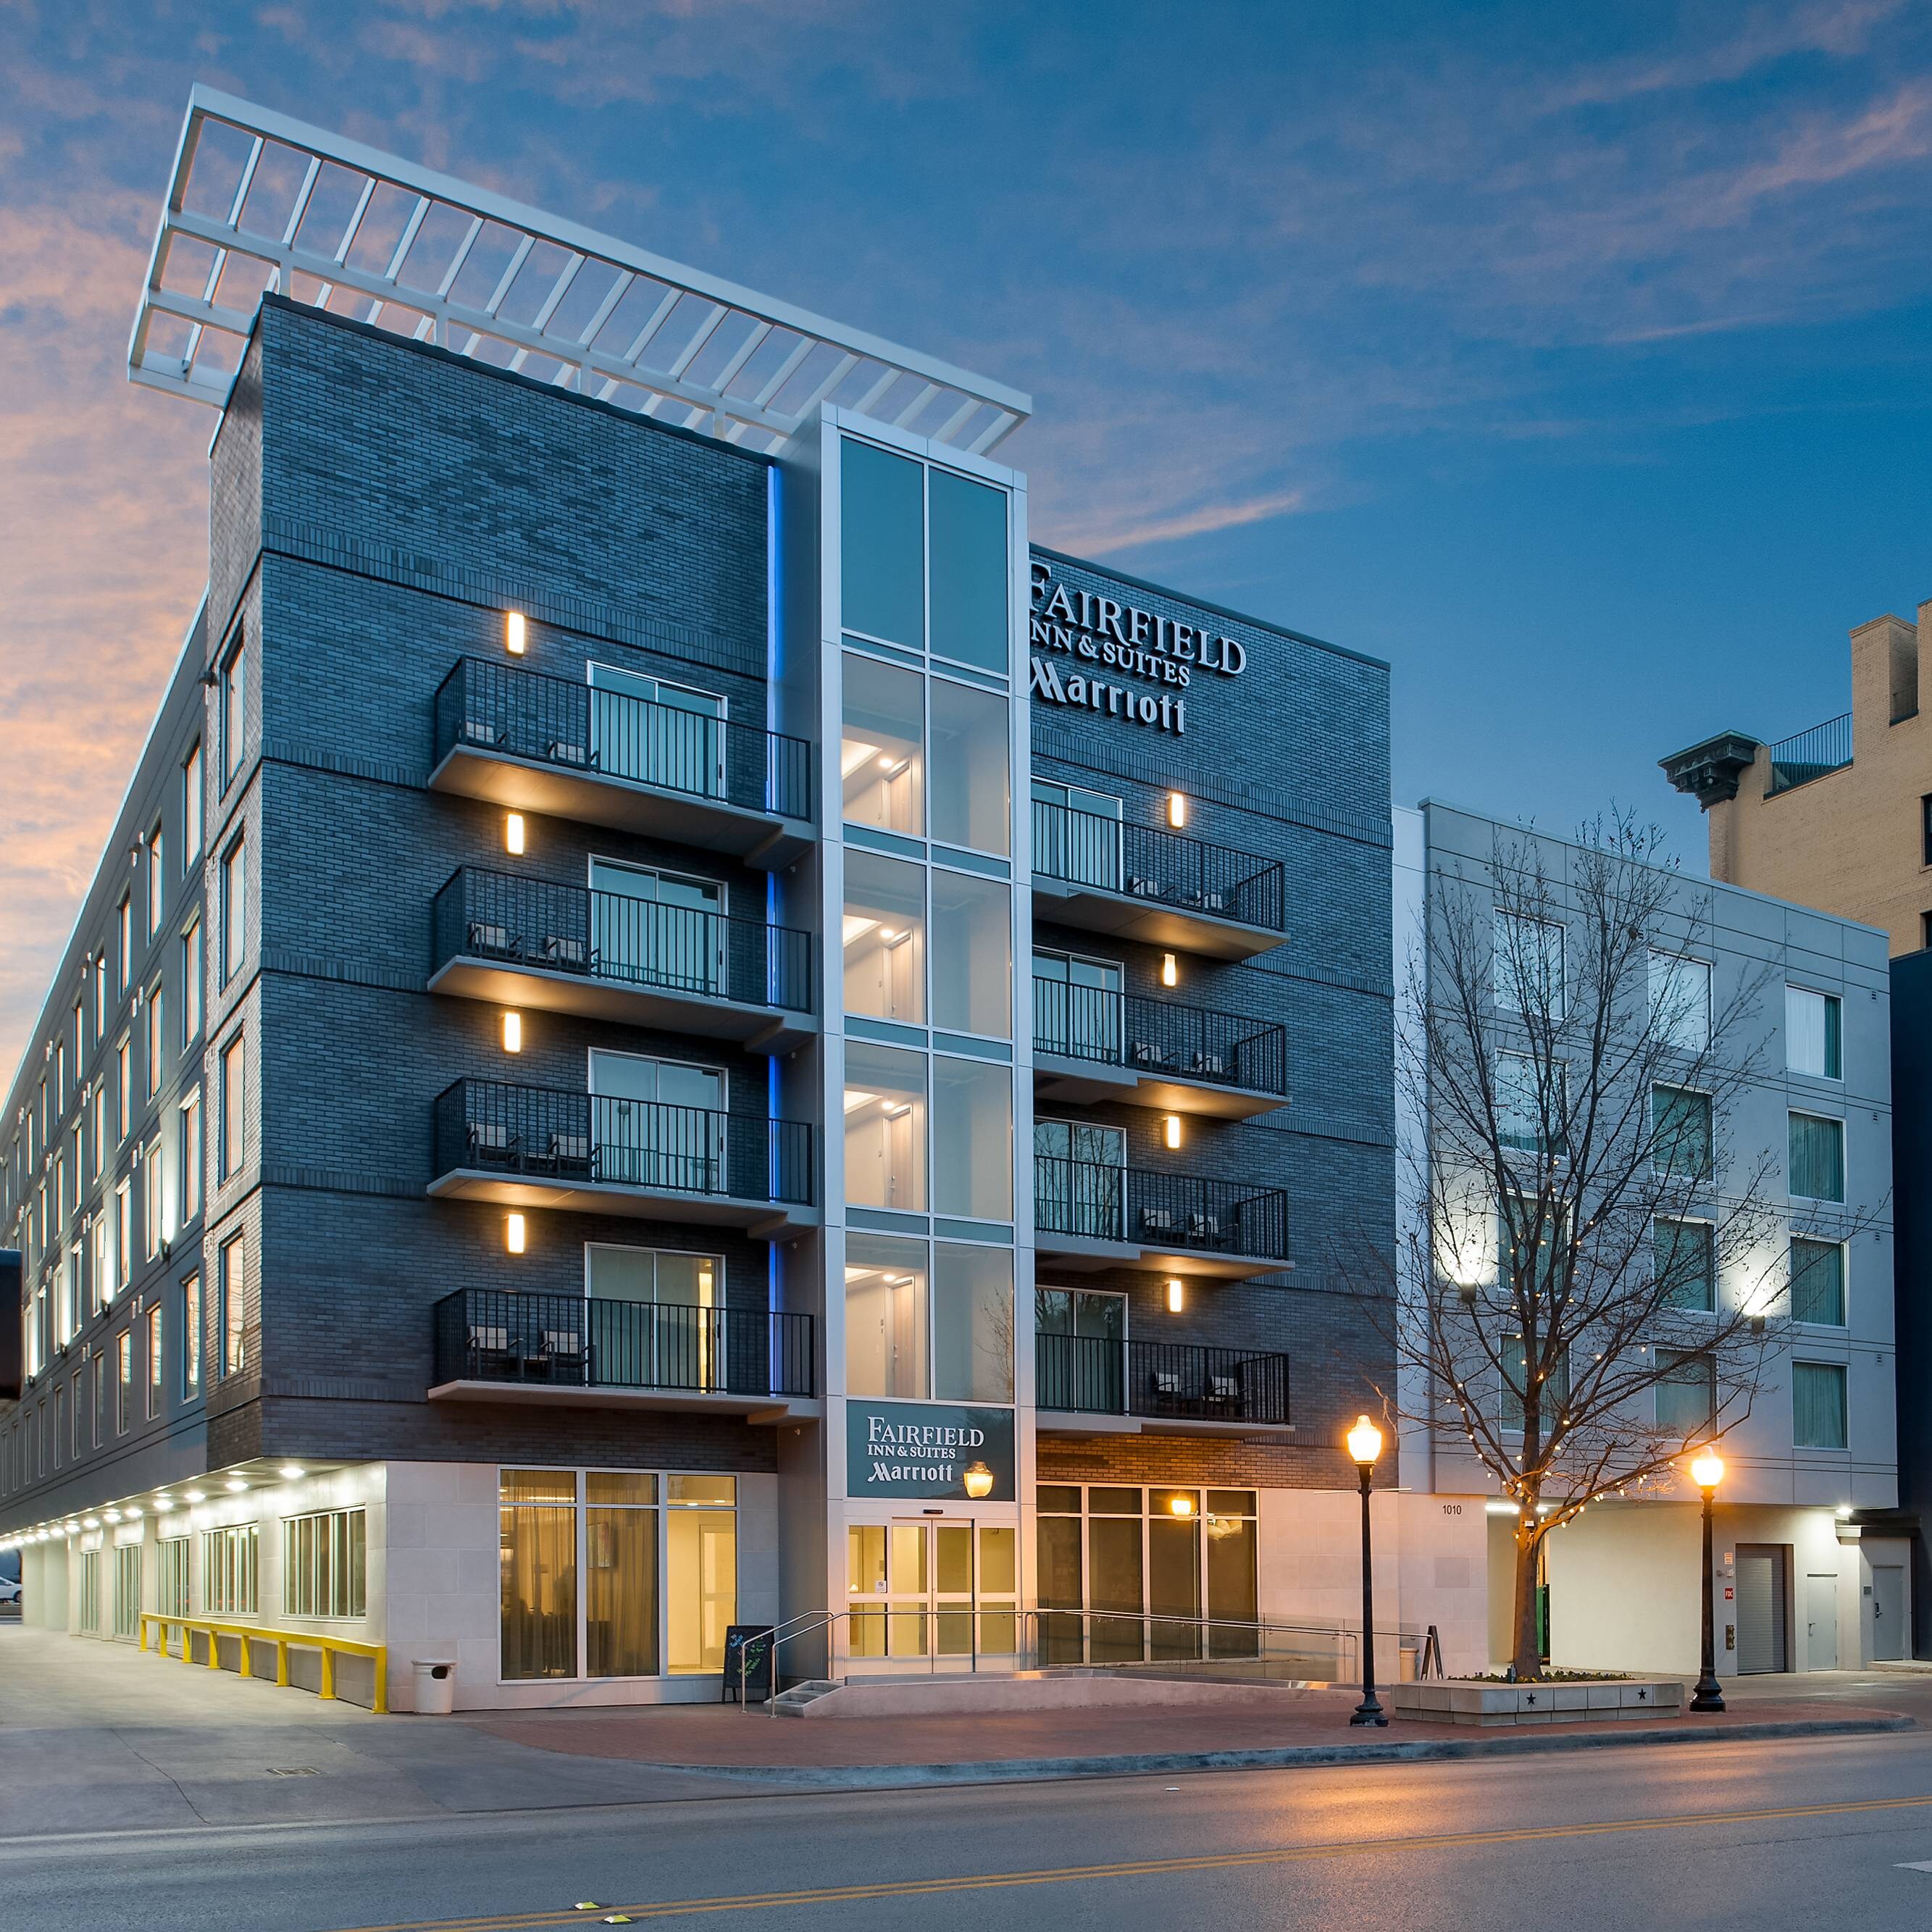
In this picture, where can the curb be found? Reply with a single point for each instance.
(1284, 1757)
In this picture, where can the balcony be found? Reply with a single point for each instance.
(1139, 882)
(521, 942)
(1815, 753)
(549, 745)
(1089, 1215)
(540, 1146)
(1091, 1043)
(1089, 1384)
(496, 1346)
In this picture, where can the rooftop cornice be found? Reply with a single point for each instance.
(258, 202)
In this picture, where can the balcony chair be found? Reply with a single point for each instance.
(1204, 1228)
(480, 731)
(1224, 1391)
(569, 1154)
(563, 1351)
(566, 752)
(489, 1352)
(1164, 1390)
(492, 1144)
(1141, 888)
(566, 955)
(1209, 1066)
(1146, 1054)
(1156, 1221)
(489, 940)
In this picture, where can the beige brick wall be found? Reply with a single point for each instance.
(1849, 843)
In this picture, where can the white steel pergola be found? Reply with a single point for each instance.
(260, 203)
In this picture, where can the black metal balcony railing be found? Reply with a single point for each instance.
(514, 921)
(1191, 1043)
(561, 1136)
(1093, 1375)
(495, 1335)
(1095, 1201)
(487, 706)
(1085, 848)
(1806, 755)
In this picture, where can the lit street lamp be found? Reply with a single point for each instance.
(1365, 1444)
(1707, 1472)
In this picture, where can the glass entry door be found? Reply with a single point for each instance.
(658, 733)
(656, 928)
(926, 1594)
(658, 1123)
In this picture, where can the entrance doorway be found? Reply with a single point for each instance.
(925, 1594)
(1892, 1637)
(1821, 1621)
(1762, 1643)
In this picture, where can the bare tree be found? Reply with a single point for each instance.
(1589, 1274)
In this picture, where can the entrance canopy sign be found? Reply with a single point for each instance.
(929, 1451)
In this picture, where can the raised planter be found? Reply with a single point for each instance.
(1480, 1702)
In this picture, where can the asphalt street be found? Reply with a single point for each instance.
(1787, 1834)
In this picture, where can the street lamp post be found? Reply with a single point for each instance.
(1365, 1444)
(1707, 1472)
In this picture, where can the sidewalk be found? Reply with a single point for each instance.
(100, 1738)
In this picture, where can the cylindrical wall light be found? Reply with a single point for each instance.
(1177, 809)
(513, 834)
(1170, 972)
(513, 1233)
(1171, 1130)
(1177, 1296)
(513, 1033)
(513, 632)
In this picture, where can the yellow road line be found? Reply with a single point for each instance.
(835, 1894)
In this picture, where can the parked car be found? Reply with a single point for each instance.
(9, 1592)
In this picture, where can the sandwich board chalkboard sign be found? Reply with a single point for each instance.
(749, 1647)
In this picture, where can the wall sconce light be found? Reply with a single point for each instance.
(1181, 1505)
(1171, 1130)
(513, 633)
(979, 1481)
(513, 834)
(513, 1233)
(1177, 1295)
(1177, 809)
(513, 1033)
(1170, 972)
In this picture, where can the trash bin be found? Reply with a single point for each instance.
(435, 1686)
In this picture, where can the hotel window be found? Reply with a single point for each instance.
(234, 1310)
(1814, 1032)
(234, 711)
(191, 1156)
(700, 1571)
(80, 1034)
(677, 1337)
(884, 937)
(191, 807)
(123, 921)
(88, 1607)
(971, 801)
(174, 1565)
(1680, 1002)
(157, 1361)
(325, 1564)
(885, 1103)
(191, 969)
(972, 954)
(971, 579)
(100, 1398)
(102, 1235)
(99, 1149)
(653, 731)
(234, 909)
(157, 880)
(229, 1562)
(1686, 1394)
(60, 1423)
(1077, 1009)
(77, 1409)
(124, 1234)
(1925, 830)
(158, 1039)
(1817, 1157)
(1818, 1282)
(1680, 1132)
(153, 1200)
(1529, 970)
(124, 1380)
(912, 1331)
(123, 1087)
(1818, 1405)
(234, 1107)
(882, 747)
(973, 1138)
(621, 1573)
(100, 994)
(190, 1337)
(882, 543)
(1528, 1119)
(1515, 1359)
(537, 1520)
(1683, 1262)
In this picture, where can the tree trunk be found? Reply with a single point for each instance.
(1528, 1542)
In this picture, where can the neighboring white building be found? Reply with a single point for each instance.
(1797, 1588)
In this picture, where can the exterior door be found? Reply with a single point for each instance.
(926, 1594)
(1821, 1622)
(656, 928)
(1076, 835)
(1081, 1355)
(1761, 1619)
(1076, 1010)
(1892, 1633)
(1079, 1173)
(656, 733)
(658, 1123)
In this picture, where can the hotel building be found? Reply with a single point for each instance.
(679, 1028)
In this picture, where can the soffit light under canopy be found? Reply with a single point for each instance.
(259, 201)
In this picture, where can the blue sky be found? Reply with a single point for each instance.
(1574, 360)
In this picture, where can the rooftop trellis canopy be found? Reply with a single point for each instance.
(260, 203)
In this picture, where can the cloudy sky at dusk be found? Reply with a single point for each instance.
(1575, 360)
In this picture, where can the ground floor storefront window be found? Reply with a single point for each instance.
(615, 1573)
(1131, 1574)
